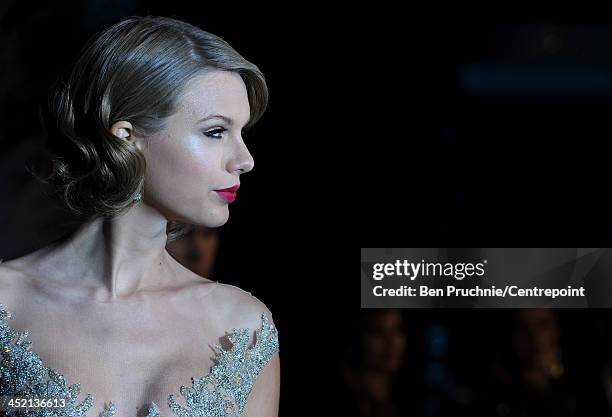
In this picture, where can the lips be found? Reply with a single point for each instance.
(228, 194)
(231, 189)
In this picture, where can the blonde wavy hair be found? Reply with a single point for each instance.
(134, 70)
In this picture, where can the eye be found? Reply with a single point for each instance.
(215, 133)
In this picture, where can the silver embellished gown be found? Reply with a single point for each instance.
(221, 393)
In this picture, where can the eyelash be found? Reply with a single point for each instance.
(212, 132)
(219, 130)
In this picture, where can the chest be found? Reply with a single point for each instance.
(130, 354)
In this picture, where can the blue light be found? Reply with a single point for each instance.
(437, 340)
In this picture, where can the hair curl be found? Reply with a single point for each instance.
(134, 70)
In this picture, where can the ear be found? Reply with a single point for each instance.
(124, 130)
(121, 129)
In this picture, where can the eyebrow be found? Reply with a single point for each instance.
(228, 120)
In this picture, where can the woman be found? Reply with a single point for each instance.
(147, 137)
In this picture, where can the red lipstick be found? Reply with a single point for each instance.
(228, 194)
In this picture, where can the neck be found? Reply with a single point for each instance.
(117, 258)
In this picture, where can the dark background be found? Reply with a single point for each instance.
(517, 157)
(488, 130)
(451, 362)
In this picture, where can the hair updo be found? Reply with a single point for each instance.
(134, 70)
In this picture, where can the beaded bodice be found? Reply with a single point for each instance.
(223, 392)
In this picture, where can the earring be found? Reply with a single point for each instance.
(138, 197)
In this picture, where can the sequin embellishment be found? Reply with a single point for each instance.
(221, 393)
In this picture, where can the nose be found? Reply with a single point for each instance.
(242, 160)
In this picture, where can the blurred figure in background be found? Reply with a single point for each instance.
(529, 378)
(197, 250)
(375, 355)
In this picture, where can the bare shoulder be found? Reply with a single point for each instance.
(12, 280)
(245, 311)
(24, 267)
(10, 273)
(239, 308)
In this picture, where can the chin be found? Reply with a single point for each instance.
(216, 220)
(207, 216)
(211, 220)
(214, 224)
